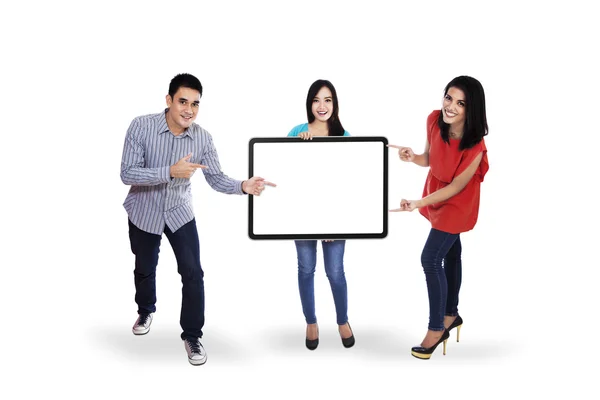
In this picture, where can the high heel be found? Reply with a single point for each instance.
(458, 321)
(425, 353)
(348, 342)
(312, 344)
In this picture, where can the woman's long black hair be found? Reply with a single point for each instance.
(333, 123)
(475, 120)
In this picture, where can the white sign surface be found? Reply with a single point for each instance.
(326, 188)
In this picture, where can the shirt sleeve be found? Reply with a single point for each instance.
(484, 166)
(295, 131)
(133, 171)
(213, 174)
(470, 155)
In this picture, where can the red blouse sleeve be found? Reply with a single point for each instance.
(469, 156)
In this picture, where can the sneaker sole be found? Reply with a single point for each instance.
(197, 362)
(140, 333)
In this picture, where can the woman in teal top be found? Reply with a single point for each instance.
(322, 113)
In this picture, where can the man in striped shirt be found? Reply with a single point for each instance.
(161, 153)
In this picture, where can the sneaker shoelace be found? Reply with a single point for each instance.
(194, 345)
(143, 319)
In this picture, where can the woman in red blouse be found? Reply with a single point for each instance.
(456, 155)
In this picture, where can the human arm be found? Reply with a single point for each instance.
(443, 194)
(407, 154)
(255, 185)
(300, 131)
(308, 136)
(184, 168)
(133, 170)
(221, 182)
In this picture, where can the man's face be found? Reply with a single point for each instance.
(183, 109)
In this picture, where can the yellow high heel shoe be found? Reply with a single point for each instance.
(425, 353)
(456, 324)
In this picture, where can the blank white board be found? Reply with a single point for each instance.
(327, 188)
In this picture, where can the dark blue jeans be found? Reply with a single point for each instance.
(333, 257)
(443, 272)
(186, 247)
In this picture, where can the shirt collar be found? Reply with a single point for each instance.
(164, 127)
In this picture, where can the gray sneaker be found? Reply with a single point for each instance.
(142, 324)
(195, 351)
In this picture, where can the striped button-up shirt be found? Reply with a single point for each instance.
(155, 199)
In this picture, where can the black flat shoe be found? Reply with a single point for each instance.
(349, 342)
(456, 324)
(425, 353)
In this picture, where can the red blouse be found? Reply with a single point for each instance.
(458, 213)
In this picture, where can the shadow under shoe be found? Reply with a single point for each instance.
(425, 353)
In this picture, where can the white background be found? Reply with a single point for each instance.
(323, 175)
(74, 75)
